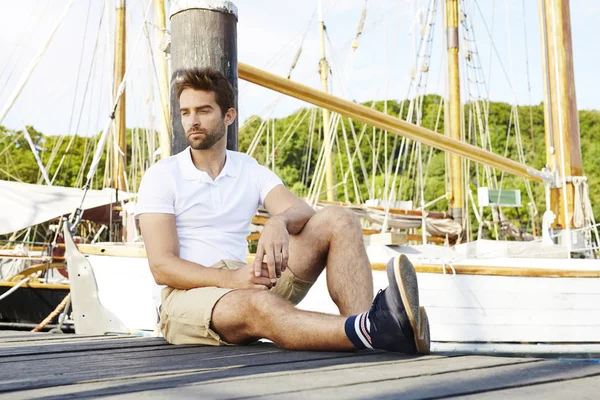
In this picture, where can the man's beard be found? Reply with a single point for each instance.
(207, 140)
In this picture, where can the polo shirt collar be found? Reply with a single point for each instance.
(190, 172)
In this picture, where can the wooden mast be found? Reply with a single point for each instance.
(164, 135)
(563, 149)
(456, 170)
(120, 155)
(324, 71)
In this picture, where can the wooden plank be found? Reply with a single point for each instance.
(156, 370)
(27, 337)
(52, 338)
(38, 285)
(463, 269)
(451, 383)
(125, 367)
(582, 388)
(121, 250)
(232, 375)
(342, 376)
(15, 334)
(110, 364)
(49, 358)
(113, 342)
(303, 377)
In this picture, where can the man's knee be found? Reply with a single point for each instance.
(236, 314)
(339, 219)
(230, 315)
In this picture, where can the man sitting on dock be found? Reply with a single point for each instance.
(195, 209)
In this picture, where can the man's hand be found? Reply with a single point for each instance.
(245, 278)
(273, 245)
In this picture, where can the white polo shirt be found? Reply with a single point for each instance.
(213, 217)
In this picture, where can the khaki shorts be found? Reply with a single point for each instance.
(186, 314)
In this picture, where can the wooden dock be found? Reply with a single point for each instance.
(54, 366)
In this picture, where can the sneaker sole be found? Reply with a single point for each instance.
(406, 279)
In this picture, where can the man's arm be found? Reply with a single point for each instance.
(284, 205)
(162, 247)
(289, 215)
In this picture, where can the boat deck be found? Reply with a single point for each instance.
(49, 366)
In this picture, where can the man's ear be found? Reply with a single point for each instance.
(230, 116)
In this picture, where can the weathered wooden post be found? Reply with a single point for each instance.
(203, 34)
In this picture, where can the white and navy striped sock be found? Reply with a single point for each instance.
(358, 329)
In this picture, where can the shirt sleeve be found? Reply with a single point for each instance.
(156, 194)
(266, 180)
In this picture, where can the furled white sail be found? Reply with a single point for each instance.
(24, 204)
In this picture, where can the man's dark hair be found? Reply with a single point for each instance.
(209, 80)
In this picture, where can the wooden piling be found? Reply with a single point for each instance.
(203, 34)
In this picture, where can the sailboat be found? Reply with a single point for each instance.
(497, 296)
(34, 282)
(489, 296)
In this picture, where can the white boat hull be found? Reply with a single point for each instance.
(500, 309)
(466, 311)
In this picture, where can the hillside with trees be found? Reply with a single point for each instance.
(298, 138)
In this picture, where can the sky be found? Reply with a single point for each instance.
(70, 89)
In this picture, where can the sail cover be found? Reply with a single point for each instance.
(23, 204)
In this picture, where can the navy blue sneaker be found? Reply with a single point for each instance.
(395, 321)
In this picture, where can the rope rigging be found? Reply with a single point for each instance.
(76, 132)
(418, 84)
(528, 77)
(36, 155)
(77, 213)
(479, 107)
(305, 172)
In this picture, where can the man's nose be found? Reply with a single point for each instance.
(194, 120)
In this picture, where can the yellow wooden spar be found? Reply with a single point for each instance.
(120, 130)
(385, 122)
(455, 131)
(563, 147)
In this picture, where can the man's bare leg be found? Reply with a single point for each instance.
(395, 322)
(333, 238)
(244, 316)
